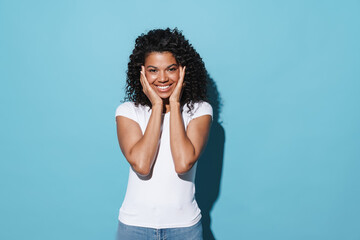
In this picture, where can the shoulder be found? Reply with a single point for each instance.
(200, 109)
(202, 105)
(130, 106)
(130, 110)
(124, 108)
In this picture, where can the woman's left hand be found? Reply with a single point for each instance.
(176, 94)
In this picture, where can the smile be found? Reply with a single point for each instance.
(163, 88)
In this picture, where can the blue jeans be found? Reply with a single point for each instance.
(127, 232)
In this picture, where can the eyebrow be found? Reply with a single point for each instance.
(174, 64)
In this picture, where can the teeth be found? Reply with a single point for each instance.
(163, 87)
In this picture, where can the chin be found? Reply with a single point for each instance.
(164, 96)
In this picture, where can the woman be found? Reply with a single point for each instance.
(162, 129)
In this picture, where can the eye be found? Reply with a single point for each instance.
(172, 69)
(152, 70)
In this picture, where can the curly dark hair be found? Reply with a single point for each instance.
(167, 40)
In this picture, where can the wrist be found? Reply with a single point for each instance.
(158, 106)
(174, 103)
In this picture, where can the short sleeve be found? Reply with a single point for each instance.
(202, 108)
(126, 109)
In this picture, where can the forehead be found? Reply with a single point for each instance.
(160, 59)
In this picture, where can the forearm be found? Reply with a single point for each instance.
(182, 149)
(144, 151)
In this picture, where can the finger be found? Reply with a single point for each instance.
(183, 82)
(143, 74)
(183, 76)
(182, 73)
(179, 84)
(142, 78)
(145, 81)
(148, 90)
(180, 80)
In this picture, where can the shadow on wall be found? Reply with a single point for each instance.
(209, 167)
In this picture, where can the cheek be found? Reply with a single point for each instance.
(175, 76)
(150, 78)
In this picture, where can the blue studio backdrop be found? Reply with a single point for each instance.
(283, 158)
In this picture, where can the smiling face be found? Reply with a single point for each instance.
(162, 72)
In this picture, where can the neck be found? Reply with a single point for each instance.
(166, 105)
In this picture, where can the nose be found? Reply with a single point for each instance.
(163, 76)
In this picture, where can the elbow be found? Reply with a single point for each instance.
(181, 171)
(139, 163)
(142, 170)
(140, 167)
(184, 167)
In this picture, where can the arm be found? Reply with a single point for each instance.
(138, 149)
(186, 146)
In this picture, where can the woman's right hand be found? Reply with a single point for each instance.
(147, 89)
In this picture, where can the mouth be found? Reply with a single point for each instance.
(163, 88)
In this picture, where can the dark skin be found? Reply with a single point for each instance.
(162, 81)
(160, 70)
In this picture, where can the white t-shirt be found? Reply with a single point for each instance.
(163, 199)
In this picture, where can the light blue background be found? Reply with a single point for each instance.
(288, 75)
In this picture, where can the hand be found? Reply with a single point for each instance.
(147, 89)
(176, 94)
